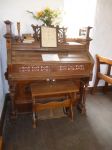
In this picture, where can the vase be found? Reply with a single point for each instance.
(48, 22)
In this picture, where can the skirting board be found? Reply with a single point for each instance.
(2, 120)
(1, 143)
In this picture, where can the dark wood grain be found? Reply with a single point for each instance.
(25, 66)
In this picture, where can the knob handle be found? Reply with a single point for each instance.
(53, 80)
(48, 80)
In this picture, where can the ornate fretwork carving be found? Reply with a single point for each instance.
(61, 33)
(34, 68)
(36, 30)
(70, 68)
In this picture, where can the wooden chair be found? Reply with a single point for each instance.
(57, 89)
(99, 75)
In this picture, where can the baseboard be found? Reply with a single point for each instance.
(2, 122)
(1, 143)
(3, 114)
(99, 89)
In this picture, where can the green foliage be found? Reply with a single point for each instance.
(47, 16)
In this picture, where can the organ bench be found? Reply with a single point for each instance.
(64, 90)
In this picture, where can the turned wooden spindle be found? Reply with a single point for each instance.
(18, 29)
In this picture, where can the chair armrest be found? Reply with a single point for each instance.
(105, 77)
(104, 60)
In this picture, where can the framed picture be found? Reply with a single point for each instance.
(48, 36)
(84, 32)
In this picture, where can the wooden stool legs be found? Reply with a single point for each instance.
(72, 98)
(61, 94)
(69, 109)
(34, 114)
(34, 120)
(95, 85)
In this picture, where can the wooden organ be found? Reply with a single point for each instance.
(25, 65)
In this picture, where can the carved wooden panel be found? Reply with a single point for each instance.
(33, 68)
(70, 70)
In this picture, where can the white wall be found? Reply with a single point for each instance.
(75, 9)
(17, 11)
(102, 31)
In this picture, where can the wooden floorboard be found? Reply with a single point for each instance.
(92, 131)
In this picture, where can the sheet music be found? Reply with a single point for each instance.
(48, 37)
(50, 57)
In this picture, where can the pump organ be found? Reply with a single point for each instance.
(25, 65)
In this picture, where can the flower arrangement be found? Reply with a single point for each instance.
(47, 16)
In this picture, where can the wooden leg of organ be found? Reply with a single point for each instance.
(84, 100)
(34, 114)
(81, 105)
(12, 95)
(72, 99)
(95, 85)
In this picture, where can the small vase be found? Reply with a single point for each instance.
(48, 23)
